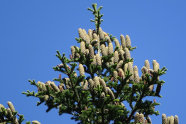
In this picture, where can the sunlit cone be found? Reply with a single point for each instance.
(86, 37)
(119, 65)
(136, 117)
(73, 51)
(1, 107)
(90, 34)
(103, 50)
(36, 122)
(107, 38)
(125, 67)
(94, 60)
(136, 74)
(122, 53)
(95, 36)
(11, 106)
(61, 86)
(121, 73)
(10, 115)
(96, 81)
(156, 65)
(176, 120)
(98, 59)
(115, 75)
(141, 118)
(109, 91)
(46, 97)
(130, 68)
(171, 120)
(81, 70)
(106, 49)
(127, 53)
(82, 47)
(123, 43)
(103, 84)
(101, 34)
(147, 64)
(168, 120)
(116, 43)
(116, 57)
(85, 86)
(91, 84)
(144, 70)
(128, 41)
(54, 86)
(39, 86)
(110, 48)
(151, 87)
(164, 119)
(43, 87)
(87, 52)
(48, 84)
(91, 51)
(81, 33)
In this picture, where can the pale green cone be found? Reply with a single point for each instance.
(96, 81)
(98, 60)
(116, 43)
(123, 43)
(103, 50)
(127, 53)
(53, 85)
(176, 120)
(110, 48)
(115, 75)
(11, 106)
(128, 41)
(82, 47)
(94, 60)
(73, 51)
(103, 84)
(121, 73)
(156, 65)
(147, 64)
(91, 52)
(136, 74)
(171, 120)
(35, 122)
(109, 91)
(136, 117)
(141, 118)
(122, 53)
(116, 57)
(119, 65)
(1, 107)
(91, 84)
(130, 68)
(81, 70)
(90, 34)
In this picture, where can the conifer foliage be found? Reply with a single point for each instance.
(99, 84)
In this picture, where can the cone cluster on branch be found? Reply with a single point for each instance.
(10, 115)
(170, 119)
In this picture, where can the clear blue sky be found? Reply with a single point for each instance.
(32, 30)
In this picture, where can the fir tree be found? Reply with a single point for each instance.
(99, 84)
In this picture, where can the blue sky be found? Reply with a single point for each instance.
(32, 31)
